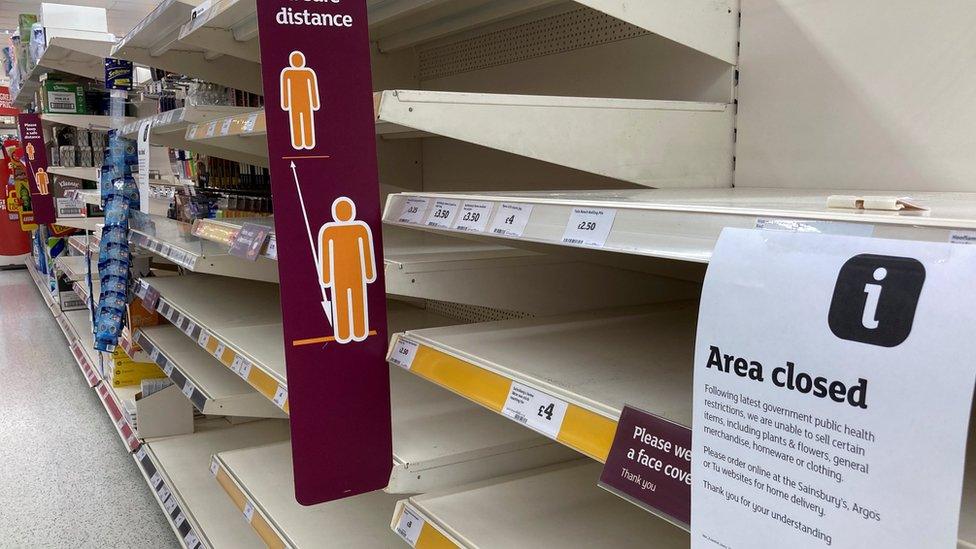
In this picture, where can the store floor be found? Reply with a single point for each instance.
(65, 478)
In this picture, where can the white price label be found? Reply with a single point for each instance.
(409, 526)
(170, 505)
(272, 249)
(281, 397)
(511, 219)
(179, 520)
(168, 369)
(962, 237)
(204, 339)
(154, 355)
(535, 409)
(443, 213)
(190, 539)
(214, 467)
(211, 128)
(225, 126)
(219, 351)
(245, 370)
(163, 492)
(251, 121)
(589, 226)
(156, 480)
(188, 389)
(814, 226)
(120, 423)
(404, 353)
(473, 217)
(235, 366)
(140, 454)
(414, 210)
(248, 511)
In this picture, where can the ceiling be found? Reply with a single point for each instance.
(122, 14)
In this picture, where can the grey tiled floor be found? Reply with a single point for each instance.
(65, 478)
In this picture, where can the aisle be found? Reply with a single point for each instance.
(66, 480)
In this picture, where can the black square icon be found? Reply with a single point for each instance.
(875, 299)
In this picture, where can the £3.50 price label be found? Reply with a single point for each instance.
(511, 219)
(443, 213)
(404, 352)
(414, 210)
(409, 526)
(589, 226)
(535, 409)
(473, 216)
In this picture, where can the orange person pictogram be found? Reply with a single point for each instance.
(42, 181)
(300, 98)
(347, 266)
(29, 149)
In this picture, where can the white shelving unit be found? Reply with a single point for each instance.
(68, 55)
(86, 121)
(88, 174)
(559, 506)
(75, 267)
(157, 42)
(174, 241)
(260, 479)
(240, 137)
(195, 507)
(684, 224)
(645, 358)
(212, 389)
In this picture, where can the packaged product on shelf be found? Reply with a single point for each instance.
(63, 98)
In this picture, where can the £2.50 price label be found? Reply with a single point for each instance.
(473, 216)
(511, 219)
(443, 213)
(589, 226)
(535, 409)
(414, 210)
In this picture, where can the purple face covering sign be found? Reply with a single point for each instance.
(319, 112)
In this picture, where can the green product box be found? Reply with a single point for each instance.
(63, 98)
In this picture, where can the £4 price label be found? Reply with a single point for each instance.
(511, 219)
(535, 409)
(409, 526)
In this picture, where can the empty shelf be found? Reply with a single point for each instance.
(212, 388)
(176, 469)
(685, 224)
(644, 356)
(559, 506)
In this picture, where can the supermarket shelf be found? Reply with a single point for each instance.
(112, 399)
(80, 343)
(666, 143)
(78, 243)
(261, 483)
(81, 288)
(83, 223)
(644, 356)
(157, 42)
(429, 266)
(40, 280)
(235, 320)
(212, 388)
(168, 127)
(560, 506)
(708, 27)
(68, 55)
(685, 224)
(75, 267)
(197, 509)
(86, 121)
(241, 137)
(174, 241)
(652, 143)
(88, 174)
(226, 27)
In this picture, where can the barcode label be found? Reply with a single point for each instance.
(219, 351)
(535, 409)
(251, 121)
(404, 353)
(281, 397)
(589, 226)
(214, 467)
(248, 511)
(188, 389)
(245, 370)
(225, 126)
(409, 526)
(211, 128)
(414, 210)
(473, 217)
(511, 219)
(443, 213)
